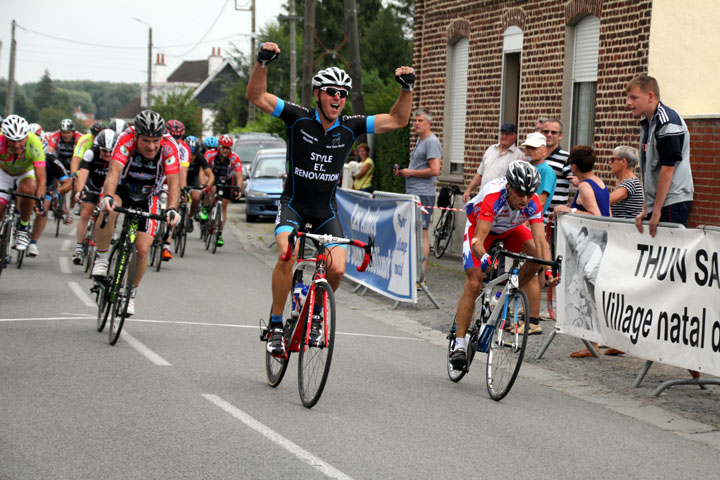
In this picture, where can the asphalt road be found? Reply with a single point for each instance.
(183, 393)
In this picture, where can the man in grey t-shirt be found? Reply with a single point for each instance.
(421, 175)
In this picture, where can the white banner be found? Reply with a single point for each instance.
(656, 298)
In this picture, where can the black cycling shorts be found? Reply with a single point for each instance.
(150, 204)
(288, 218)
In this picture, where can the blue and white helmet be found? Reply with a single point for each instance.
(332, 77)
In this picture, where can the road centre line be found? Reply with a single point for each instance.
(65, 245)
(80, 293)
(64, 265)
(302, 454)
(144, 350)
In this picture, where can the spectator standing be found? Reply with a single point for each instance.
(421, 175)
(496, 160)
(362, 180)
(626, 201)
(592, 198)
(539, 123)
(558, 160)
(536, 152)
(664, 156)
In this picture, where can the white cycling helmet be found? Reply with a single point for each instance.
(36, 128)
(332, 77)
(15, 128)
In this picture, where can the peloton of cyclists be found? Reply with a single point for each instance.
(197, 175)
(144, 158)
(224, 163)
(93, 171)
(62, 143)
(321, 139)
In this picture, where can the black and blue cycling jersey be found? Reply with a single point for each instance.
(316, 157)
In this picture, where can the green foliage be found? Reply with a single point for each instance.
(264, 123)
(45, 93)
(232, 111)
(181, 106)
(390, 148)
(50, 118)
(386, 55)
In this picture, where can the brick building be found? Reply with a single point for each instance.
(483, 63)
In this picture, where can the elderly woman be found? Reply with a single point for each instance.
(626, 201)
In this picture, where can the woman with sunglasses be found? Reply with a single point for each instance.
(91, 177)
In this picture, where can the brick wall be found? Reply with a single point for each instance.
(623, 53)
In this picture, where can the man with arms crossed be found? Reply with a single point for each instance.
(320, 141)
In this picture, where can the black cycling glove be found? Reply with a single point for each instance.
(407, 80)
(266, 56)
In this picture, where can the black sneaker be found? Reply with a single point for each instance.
(190, 227)
(276, 342)
(458, 359)
(316, 332)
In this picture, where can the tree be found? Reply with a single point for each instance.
(45, 93)
(181, 106)
(50, 118)
(232, 111)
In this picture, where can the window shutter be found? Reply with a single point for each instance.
(587, 43)
(458, 105)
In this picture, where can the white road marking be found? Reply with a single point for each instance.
(64, 265)
(144, 350)
(80, 293)
(36, 319)
(307, 457)
(65, 245)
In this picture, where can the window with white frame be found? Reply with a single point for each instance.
(512, 58)
(458, 105)
(584, 80)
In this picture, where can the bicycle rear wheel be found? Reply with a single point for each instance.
(181, 242)
(107, 290)
(443, 233)
(4, 246)
(216, 229)
(124, 281)
(275, 367)
(455, 375)
(314, 361)
(508, 348)
(160, 247)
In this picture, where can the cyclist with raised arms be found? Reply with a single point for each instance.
(197, 174)
(499, 212)
(143, 159)
(227, 169)
(320, 141)
(22, 161)
(93, 171)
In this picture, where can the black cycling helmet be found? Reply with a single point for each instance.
(106, 139)
(523, 176)
(149, 123)
(97, 127)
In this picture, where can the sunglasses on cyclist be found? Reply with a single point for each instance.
(332, 91)
(105, 150)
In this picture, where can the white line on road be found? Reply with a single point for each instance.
(64, 265)
(145, 351)
(65, 245)
(35, 319)
(272, 435)
(80, 293)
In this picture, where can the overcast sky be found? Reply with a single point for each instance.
(99, 40)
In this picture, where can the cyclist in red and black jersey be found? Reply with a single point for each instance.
(320, 141)
(143, 159)
(227, 169)
(62, 142)
(197, 174)
(176, 129)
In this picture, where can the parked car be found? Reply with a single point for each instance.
(246, 146)
(265, 183)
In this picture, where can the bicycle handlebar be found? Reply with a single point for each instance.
(325, 239)
(135, 212)
(15, 193)
(498, 249)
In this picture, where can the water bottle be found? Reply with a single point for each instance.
(163, 197)
(488, 328)
(298, 300)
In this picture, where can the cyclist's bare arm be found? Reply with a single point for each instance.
(399, 115)
(40, 181)
(111, 180)
(209, 177)
(257, 93)
(482, 229)
(173, 182)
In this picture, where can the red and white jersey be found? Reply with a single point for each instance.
(183, 152)
(491, 205)
(145, 176)
(223, 167)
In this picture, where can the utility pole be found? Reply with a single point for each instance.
(358, 101)
(148, 98)
(293, 54)
(10, 98)
(253, 50)
(308, 43)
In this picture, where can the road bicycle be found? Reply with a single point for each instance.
(156, 248)
(8, 229)
(179, 233)
(212, 227)
(58, 209)
(113, 292)
(445, 225)
(309, 317)
(499, 325)
(88, 245)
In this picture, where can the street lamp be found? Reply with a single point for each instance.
(149, 79)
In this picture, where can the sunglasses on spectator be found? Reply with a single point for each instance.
(332, 91)
(553, 132)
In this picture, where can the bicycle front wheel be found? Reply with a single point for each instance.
(108, 290)
(4, 245)
(443, 233)
(216, 228)
(275, 367)
(124, 281)
(507, 348)
(315, 357)
(455, 375)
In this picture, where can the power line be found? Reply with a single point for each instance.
(76, 41)
(208, 30)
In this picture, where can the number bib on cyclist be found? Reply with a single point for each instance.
(316, 157)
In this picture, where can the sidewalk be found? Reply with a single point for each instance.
(606, 381)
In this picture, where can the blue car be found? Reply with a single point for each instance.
(265, 184)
